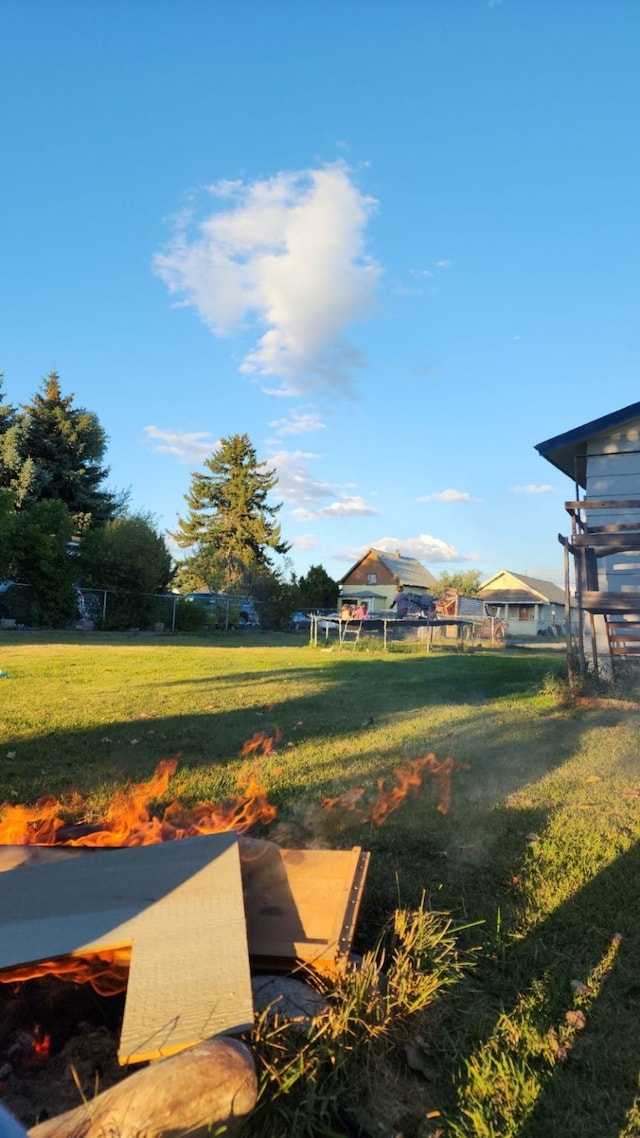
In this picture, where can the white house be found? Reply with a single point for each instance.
(527, 605)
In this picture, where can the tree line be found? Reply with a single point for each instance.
(63, 528)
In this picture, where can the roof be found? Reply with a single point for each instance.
(408, 570)
(544, 590)
(568, 452)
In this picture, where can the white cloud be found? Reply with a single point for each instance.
(347, 506)
(287, 254)
(448, 496)
(304, 541)
(296, 485)
(193, 447)
(444, 264)
(424, 547)
(533, 489)
(299, 422)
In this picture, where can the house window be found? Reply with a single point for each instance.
(372, 578)
(526, 612)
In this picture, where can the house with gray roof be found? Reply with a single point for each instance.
(602, 458)
(527, 605)
(375, 577)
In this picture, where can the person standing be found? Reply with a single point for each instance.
(400, 602)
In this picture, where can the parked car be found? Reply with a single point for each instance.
(300, 620)
(219, 604)
(328, 622)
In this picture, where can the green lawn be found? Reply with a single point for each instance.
(538, 849)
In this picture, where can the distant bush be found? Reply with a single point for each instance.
(191, 617)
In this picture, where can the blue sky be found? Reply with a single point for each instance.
(394, 241)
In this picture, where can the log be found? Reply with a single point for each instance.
(211, 1085)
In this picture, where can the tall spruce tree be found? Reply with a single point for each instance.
(7, 421)
(230, 527)
(53, 451)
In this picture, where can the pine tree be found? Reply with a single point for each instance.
(54, 452)
(7, 446)
(230, 526)
(317, 590)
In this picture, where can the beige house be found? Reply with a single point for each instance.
(375, 577)
(527, 605)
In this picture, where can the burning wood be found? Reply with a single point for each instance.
(297, 905)
(128, 820)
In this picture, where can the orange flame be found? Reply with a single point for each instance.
(41, 1043)
(389, 799)
(106, 971)
(128, 820)
(260, 741)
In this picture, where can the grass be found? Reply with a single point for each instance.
(536, 861)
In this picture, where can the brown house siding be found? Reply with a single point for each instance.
(370, 564)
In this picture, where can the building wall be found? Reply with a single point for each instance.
(384, 583)
(540, 617)
(613, 471)
(370, 565)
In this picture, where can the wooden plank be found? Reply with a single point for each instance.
(633, 527)
(179, 904)
(605, 543)
(603, 504)
(603, 602)
(302, 904)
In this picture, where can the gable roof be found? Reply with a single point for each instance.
(532, 586)
(408, 570)
(568, 452)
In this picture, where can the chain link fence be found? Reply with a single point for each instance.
(117, 610)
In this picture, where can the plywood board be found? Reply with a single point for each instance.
(302, 905)
(180, 906)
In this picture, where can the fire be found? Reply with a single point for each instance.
(128, 820)
(260, 741)
(107, 971)
(409, 778)
(41, 1043)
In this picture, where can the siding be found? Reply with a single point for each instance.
(613, 471)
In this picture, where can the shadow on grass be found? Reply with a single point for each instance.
(591, 1087)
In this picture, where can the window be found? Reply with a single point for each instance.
(372, 578)
(526, 612)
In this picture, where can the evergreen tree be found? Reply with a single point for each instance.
(230, 526)
(7, 443)
(53, 451)
(317, 590)
(7, 412)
